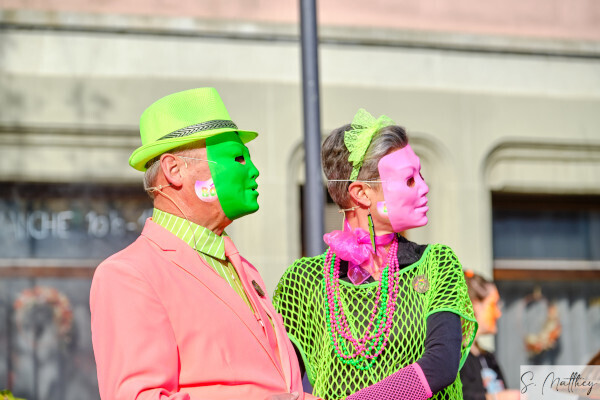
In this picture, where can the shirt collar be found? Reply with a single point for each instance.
(206, 241)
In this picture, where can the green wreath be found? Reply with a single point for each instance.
(7, 395)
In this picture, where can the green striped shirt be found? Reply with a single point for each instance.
(208, 244)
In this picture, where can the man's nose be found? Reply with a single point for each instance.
(253, 170)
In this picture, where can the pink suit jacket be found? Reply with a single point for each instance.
(165, 325)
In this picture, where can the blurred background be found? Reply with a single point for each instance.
(501, 99)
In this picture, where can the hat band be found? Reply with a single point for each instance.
(204, 126)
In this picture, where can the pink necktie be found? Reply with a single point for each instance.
(233, 255)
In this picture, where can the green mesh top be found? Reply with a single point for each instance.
(299, 298)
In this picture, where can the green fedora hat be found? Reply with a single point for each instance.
(182, 118)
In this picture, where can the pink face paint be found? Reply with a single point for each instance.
(205, 190)
(404, 190)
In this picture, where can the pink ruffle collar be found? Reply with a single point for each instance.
(354, 246)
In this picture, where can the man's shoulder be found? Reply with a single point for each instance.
(128, 258)
(150, 241)
(143, 252)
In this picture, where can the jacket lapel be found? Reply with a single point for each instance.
(281, 335)
(282, 339)
(188, 259)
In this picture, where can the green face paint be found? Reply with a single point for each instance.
(233, 173)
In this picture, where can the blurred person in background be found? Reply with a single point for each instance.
(481, 376)
(595, 360)
(179, 314)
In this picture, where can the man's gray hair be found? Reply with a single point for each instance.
(154, 165)
(334, 157)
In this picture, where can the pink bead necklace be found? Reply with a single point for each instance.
(361, 352)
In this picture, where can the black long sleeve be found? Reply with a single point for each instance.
(441, 359)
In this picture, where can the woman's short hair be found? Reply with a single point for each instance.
(334, 157)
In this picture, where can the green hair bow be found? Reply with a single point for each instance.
(358, 139)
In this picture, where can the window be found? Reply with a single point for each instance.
(547, 269)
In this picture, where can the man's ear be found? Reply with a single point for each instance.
(172, 168)
(357, 191)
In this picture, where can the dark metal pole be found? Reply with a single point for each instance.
(313, 188)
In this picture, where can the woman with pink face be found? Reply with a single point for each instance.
(481, 375)
(377, 316)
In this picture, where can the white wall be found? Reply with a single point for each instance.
(70, 102)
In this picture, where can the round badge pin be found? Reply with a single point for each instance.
(420, 284)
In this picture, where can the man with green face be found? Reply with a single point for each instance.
(233, 173)
(179, 314)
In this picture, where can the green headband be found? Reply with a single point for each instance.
(358, 139)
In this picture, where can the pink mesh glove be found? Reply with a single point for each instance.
(407, 384)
